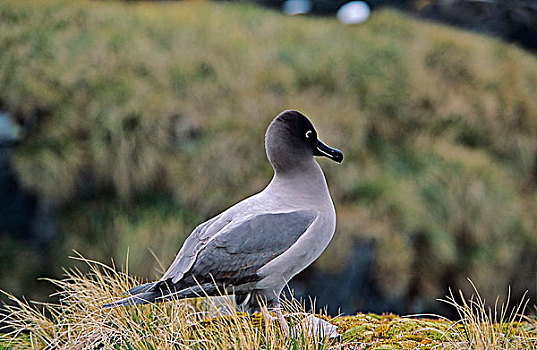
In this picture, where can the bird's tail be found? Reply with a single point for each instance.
(142, 294)
(142, 298)
(160, 291)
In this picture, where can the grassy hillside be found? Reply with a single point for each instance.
(143, 120)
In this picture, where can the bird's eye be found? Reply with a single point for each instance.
(308, 133)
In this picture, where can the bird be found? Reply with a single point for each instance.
(255, 247)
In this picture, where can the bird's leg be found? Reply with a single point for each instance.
(266, 314)
(279, 316)
(283, 322)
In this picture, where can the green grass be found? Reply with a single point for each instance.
(145, 119)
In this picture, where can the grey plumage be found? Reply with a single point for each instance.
(253, 248)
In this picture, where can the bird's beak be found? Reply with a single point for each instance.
(323, 150)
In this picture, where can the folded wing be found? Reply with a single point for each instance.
(225, 254)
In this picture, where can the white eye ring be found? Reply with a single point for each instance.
(308, 133)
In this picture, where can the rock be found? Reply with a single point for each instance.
(314, 326)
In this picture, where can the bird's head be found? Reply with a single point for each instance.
(291, 139)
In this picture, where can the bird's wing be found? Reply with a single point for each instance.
(234, 255)
(225, 253)
(194, 243)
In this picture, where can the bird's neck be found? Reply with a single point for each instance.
(306, 181)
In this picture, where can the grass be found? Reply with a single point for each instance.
(483, 327)
(78, 321)
(142, 120)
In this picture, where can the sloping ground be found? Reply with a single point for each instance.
(142, 120)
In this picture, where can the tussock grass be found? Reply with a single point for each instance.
(78, 321)
(483, 327)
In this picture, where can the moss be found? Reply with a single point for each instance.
(394, 332)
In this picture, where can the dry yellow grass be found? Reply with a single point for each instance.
(78, 321)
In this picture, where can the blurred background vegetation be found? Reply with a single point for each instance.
(136, 122)
(512, 20)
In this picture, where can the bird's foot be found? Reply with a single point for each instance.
(310, 325)
(279, 316)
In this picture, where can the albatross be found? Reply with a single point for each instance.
(254, 248)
